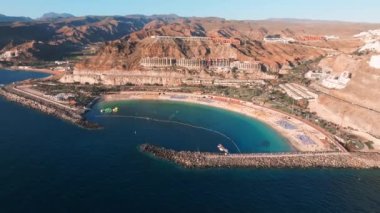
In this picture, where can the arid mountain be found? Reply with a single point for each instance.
(4, 18)
(65, 36)
(54, 16)
(128, 38)
(124, 54)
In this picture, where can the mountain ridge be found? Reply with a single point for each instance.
(4, 18)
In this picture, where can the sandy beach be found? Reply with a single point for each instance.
(301, 135)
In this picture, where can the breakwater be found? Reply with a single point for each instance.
(269, 160)
(75, 117)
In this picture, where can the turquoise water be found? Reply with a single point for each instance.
(200, 127)
(48, 165)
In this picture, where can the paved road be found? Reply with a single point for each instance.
(279, 155)
(44, 99)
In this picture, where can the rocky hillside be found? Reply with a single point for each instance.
(358, 104)
(125, 53)
(55, 16)
(4, 18)
(64, 36)
(124, 40)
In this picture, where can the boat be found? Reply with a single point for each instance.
(106, 110)
(109, 110)
(222, 149)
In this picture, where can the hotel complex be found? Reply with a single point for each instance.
(199, 64)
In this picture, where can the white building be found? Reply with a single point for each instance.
(278, 39)
(222, 64)
(331, 37)
(158, 62)
(184, 38)
(371, 47)
(192, 63)
(61, 62)
(63, 96)
(317, 75)
(337, 82)
(368, 36)
(375, 62)
(246, 65)
(371, 39)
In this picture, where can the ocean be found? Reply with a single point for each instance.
(49, 165)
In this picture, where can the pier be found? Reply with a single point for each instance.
(72, 115)
(266, 160)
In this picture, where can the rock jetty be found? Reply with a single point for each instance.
(75, 117)
(270, 160)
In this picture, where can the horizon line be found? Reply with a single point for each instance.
(225, 18)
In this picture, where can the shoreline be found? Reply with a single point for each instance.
(205, 160)
(299, 135)
(288, 127)
(75, 117)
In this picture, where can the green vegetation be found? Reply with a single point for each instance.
(369, 145)
(84, 94)
(265, 93)
(354, 145)
(297, 73)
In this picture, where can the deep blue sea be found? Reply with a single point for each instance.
(48, 165)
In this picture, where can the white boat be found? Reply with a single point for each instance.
(223, 149)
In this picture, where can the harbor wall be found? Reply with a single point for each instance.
(75, 117)
(267, 160)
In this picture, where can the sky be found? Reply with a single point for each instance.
(345, 10)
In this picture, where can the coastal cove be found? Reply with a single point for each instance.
(49, 165)
(201, 127)
(301, 135)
